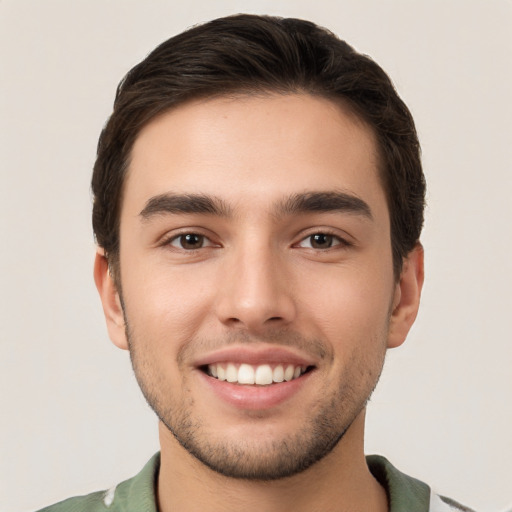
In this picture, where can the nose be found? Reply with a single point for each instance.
(255, 291)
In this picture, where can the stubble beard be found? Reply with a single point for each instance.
(259, 460)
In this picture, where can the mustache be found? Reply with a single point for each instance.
(280, 337)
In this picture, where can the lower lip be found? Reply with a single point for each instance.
(253, 397)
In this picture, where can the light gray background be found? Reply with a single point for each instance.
(72, 418)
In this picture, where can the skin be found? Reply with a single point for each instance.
(259, 283)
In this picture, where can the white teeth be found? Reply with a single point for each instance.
(231, 373)
(288, 373)
(245, 374)
(278, 374)
(261, 375)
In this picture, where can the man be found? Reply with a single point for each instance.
(258, 203)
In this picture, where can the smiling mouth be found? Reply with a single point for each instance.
(259, 375)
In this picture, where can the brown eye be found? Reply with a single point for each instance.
(321, 241)
(189, 241)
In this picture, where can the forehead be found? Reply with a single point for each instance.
(253, 150)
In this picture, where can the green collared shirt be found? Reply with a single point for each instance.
(405, 494)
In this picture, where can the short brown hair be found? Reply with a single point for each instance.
(260, 54)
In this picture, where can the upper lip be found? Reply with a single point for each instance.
(255, 356)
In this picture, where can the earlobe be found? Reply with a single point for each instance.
(110, 300)
(407, 297)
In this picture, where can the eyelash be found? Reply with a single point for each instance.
(180, 237)
(335, 241)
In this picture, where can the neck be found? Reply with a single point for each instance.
(340, 482)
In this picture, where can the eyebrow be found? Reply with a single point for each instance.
(306, 202)
(342, 202)
(185, 203)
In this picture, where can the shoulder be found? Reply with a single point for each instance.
(406, 493)
(90, 503)
(135, 494)
(444, 504)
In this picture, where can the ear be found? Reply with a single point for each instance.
(407, 297)
(110, 300)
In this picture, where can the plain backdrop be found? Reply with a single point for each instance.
(72, 417)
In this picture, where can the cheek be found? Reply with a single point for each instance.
(160, 321)
(350, 304)
(166, 306)
(352, 315)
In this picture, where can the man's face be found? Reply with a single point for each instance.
(255, 247)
